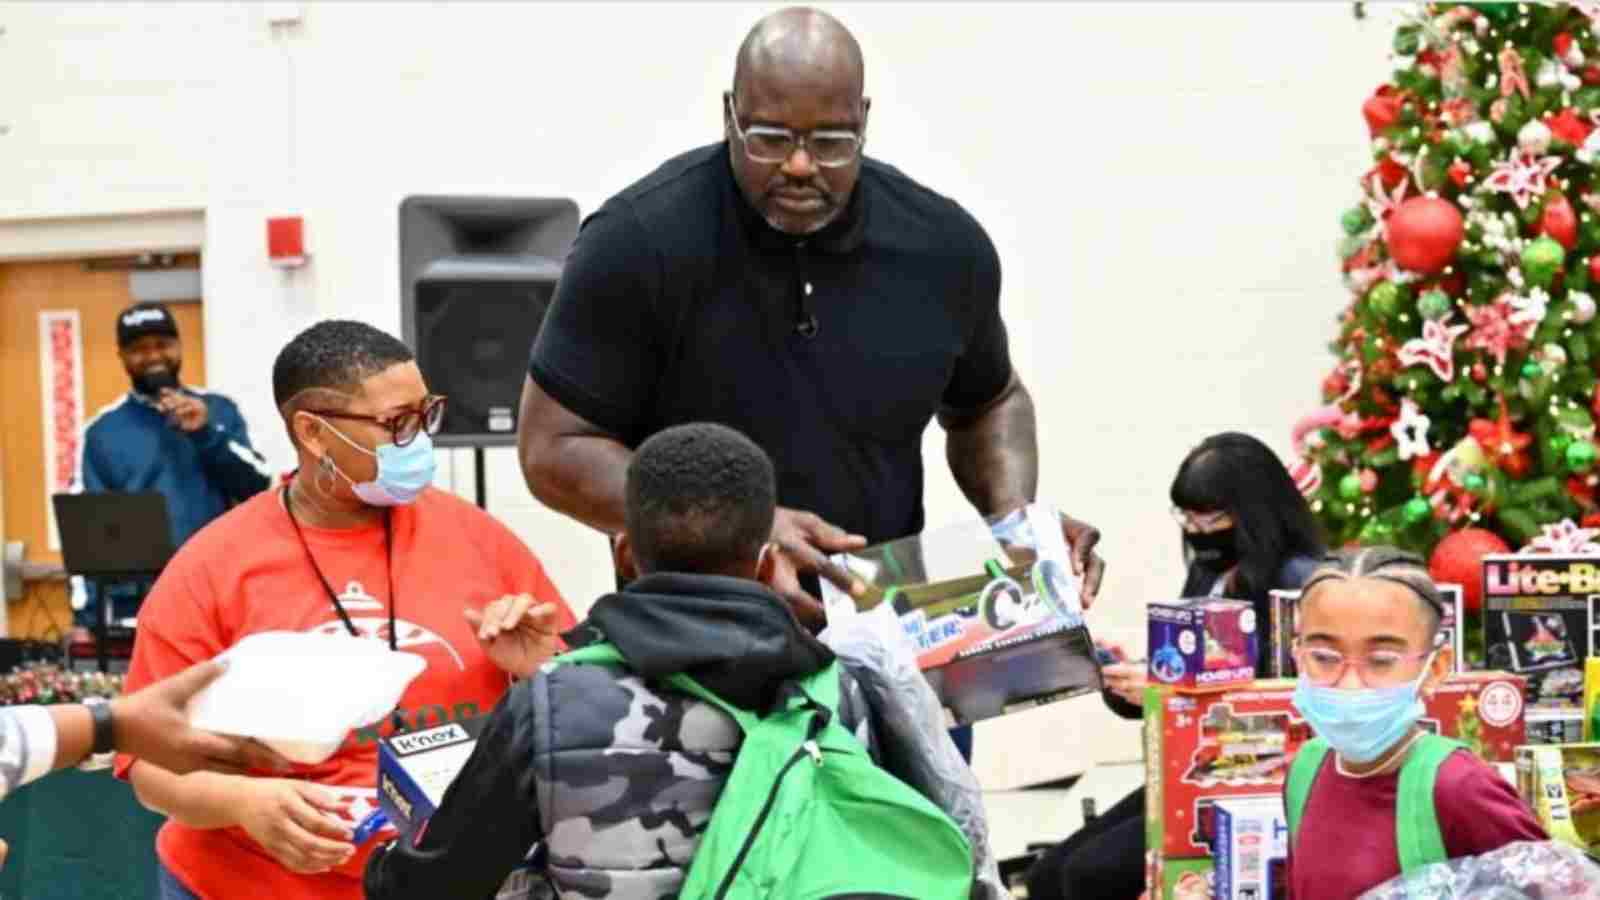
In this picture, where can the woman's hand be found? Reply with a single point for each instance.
(295, 822)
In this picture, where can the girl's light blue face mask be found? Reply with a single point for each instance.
(403, 472)
(1362, 724)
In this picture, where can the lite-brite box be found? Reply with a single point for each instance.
(1562, 785)
(1251, 849)
(1202, 644)
(992, 605)
(1203, 748)
(1591, 699)
(1284, 627)
(1538, 621)
(414, 770)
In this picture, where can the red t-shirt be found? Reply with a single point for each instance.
(1347, 833)
(248, 572)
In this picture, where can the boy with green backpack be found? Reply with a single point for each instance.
(700, 745)
(1374, 795)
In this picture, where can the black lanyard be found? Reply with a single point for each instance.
(388, 552)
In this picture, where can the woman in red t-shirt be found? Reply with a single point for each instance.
(356, 542)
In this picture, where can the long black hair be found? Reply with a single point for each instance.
(1238, 474)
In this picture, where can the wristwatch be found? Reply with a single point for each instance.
(104, 735)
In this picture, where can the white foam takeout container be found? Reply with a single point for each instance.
(300, 694)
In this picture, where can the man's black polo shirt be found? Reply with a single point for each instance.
(680, 304)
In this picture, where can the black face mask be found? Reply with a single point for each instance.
(151, 382)
(1215, 550)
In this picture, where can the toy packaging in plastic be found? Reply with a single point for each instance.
(1562, 785)
(1179, 879)
(1251, 849)
(1284, 605)
(414, 770)
(992, 606)
(1554, 726)
(1202, 644)
(1525, 870)
(1591, 699)
(1539, 621)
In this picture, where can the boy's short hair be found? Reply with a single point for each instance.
(1384, 564)
(700, 498)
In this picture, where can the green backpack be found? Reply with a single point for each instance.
(807, 815)
(1417, 834)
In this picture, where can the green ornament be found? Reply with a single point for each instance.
(1531, 370)
(1407, 42)
(1350, 486)
(1474, 483)
(1416, 511)
(1559, 444)
(1356, 220)
(1541, 260)
(1350, 245)
(1580, 456)
(1434, 305)
(1384, 298)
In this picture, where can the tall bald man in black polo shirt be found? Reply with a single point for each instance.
(784, 284)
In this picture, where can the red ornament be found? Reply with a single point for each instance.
(1562, 43)
(1591, 74)
(1382, 109)
(1568, 127)
(1592, 520)
(1579, 489)
(1594, 268)
(1335, 385)
(1507, 446)
(1392, 172)
(1423, 234)
(1364, 258)
(1421, 468)
(1460, 171)
(1559, 220)
(1459, 560)
(1594, 402)
(1480, 372)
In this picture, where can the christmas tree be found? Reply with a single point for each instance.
(1460, 414)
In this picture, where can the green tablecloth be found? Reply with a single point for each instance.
(78, 836)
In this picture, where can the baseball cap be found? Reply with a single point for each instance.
(143, 319)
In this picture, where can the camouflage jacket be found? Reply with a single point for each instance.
(610, 774)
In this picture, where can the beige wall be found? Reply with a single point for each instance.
(1163, 182)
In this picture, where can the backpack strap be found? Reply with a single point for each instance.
(1417, 833)
(599, 653)
(1302, 774)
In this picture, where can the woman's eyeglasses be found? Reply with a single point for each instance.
(403, 426)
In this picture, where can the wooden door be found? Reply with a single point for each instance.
(31, 297)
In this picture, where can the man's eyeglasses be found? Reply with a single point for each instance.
(1325, 667)
(403, 426)
(770, 146)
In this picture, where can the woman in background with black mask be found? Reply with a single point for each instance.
(1246, 532)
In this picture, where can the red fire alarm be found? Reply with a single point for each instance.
(286, 241)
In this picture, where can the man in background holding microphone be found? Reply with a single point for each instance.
(187, 444)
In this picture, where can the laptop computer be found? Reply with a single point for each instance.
(113, 535)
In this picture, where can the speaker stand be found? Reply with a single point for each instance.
(480, 482)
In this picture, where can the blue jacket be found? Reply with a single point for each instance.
(129, 448)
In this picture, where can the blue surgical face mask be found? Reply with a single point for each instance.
(1364, 723)
(402, 471)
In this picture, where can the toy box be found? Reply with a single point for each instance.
(1284, 627)
(1179, 879)
(1562, 785)
(1202, 748)
(1539, 621)
(1203, 644)
(992, 605)
(1251, 849)
(1553, 726)
(414, 770)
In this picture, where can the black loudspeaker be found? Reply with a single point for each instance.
(476, 276)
